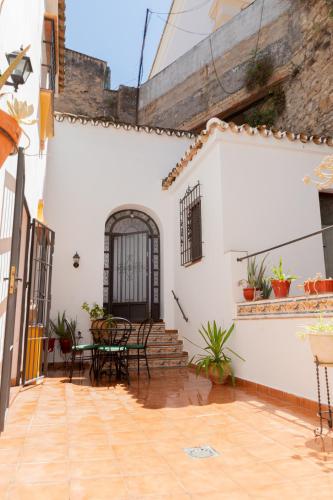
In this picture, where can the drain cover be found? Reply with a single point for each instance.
(201, 452)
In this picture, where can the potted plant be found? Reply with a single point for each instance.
(97, 314)
(215, 362)
(255, 281)
(59, 328)
(281, 281)
(10, 130)
(320, 336)
(318, 284)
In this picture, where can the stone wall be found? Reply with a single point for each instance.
(309, 90)
(86, 90)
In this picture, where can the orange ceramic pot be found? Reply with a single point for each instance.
(250, 293)
(10, 133)
(215, 377)
(314, 287)
(281, 288)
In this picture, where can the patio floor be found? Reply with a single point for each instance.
(80, 442)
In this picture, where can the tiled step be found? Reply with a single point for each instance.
(165, 361)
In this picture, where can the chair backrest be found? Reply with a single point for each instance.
(122, 329)
(71, 332)
(144, 331)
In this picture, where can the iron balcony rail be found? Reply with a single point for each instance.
(328, 228)
(180, 307)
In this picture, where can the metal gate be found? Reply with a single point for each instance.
(132, 266)
(38, 302)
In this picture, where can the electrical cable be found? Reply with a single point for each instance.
(199, 6)
(215, 70)
(181, 29)
(259, 30)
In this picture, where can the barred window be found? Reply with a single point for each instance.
(190, 226)
(48, 75)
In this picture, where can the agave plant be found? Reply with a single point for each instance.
(255, 274)
(59, 326)
(215, 356)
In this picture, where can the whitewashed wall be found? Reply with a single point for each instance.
(241, 176)
(21, 23)
(92, 172)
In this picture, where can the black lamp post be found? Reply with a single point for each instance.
(21, 72)
(76, 260)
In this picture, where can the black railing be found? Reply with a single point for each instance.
(180, 307)
(328, 228)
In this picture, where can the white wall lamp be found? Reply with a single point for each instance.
(76, 260)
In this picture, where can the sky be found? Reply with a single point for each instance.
(112, 30)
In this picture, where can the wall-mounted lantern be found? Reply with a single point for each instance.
(22, 71)
(76, 260)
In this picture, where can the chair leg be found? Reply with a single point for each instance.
(72, 367)
(138, 354)
(147, 365)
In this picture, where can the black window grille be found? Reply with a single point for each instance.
(190, 226)
(49, 67)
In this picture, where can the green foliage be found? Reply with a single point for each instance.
(258, 72)
(215, 350)
(95, 311)
(255, 273)
(279, 274)
(320, 327)
(266, 288)
(59, 328)
(257, 116)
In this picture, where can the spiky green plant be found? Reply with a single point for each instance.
(59, 328)
(214, 356)
(279, 274)
(266, 288)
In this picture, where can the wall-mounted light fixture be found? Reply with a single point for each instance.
(22, 71)
(76, 260)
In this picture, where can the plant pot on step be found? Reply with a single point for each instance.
(10, 133)
(250, 293)
(281, 288)
(215, 375)
(65, 345)
(322, 346)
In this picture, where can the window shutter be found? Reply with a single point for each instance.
(196, 243)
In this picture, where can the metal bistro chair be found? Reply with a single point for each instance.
(141, 344)
(79, 349)
(112, 346)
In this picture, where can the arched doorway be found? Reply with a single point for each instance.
(132, 266)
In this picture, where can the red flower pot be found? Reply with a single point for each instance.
(250, 293)
(10, 133)
(310, 287)
(318, 286)
(281, 288)
(65, 345)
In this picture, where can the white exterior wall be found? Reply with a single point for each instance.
(240, 178)
(93, 172)
(21, 24)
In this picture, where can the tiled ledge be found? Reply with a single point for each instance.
(309, 305)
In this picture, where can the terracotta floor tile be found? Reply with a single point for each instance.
(38, 491)
(98, 489)
(87, 469)
(44, 453)
(42, 472)
(154, 484)
(98, 452)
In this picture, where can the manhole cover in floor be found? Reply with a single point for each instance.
(201, 452)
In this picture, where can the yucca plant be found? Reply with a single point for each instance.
(215, 357)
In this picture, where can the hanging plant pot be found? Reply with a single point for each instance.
(215, 376)
(65, 346)
(250, 293)
(281, 288)
(322, 346)
(10, 133)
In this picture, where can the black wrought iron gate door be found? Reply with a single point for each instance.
(130, 275)
(38, 302)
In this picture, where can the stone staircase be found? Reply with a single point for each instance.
(165, 350)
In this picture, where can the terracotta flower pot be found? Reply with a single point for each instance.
(65, 346)
(314, 287)
(214, 374)
(281, 288)
(250, 293)
(322, 346)
(10, 133)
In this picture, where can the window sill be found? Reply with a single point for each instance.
(189, 264)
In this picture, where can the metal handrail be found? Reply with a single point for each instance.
(328, 228)
(180, 307)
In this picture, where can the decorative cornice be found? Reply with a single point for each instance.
(85, 120)
(221, 126)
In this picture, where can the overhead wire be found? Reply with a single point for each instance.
(197, 7)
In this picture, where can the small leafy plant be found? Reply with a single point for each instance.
(266, 289)
(320, 327)
(215, 355)
(96, 312)
(59, 327)
(259, 71)
(280, 275)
